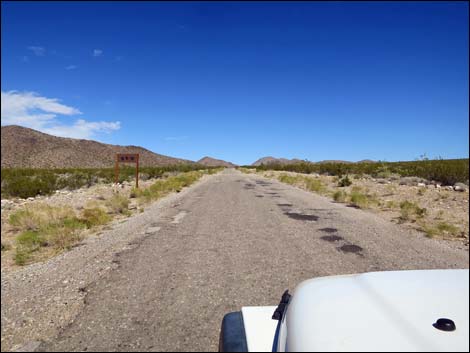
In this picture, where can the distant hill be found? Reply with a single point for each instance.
(333, 161)
(271, 160)
(27, 148)
(366, 161)
(212, 162)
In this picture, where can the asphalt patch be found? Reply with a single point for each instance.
(329, 230)
(350, 248)
(301, 217)
(262, 183)
(331, 238)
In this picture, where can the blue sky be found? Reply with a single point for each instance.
(239, 81)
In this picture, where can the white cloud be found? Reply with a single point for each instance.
(38, 51)
(97, 52)
(71, 67)
(31, 110)
(83, 129)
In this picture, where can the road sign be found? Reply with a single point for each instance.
(127, 158)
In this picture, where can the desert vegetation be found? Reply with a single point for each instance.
(40, 229)
(445, 172)
(30, 182)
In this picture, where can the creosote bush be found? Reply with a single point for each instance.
(345, 181)
(340, 196)
(30, 182)
(94, 216)
(411, 211)
(447, 172)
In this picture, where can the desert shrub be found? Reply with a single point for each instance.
(27, 243)
(313, 185)
(410, 210)
(118, 203)
(94, 216)
(442, 228)
(340, 196)
(359, 199)
(448, 172)
(288, 179)
(64, 235)
(33, 217)
(29, 182)
(162, 187)
(44, 226)
(18, 185)
(390, 204)
(345, 181)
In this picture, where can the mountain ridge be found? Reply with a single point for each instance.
(213, 162)
(23, 147)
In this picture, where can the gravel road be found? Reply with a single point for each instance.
(163, 280)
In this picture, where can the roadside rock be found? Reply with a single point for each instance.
(460, 187)
(6, 204)
(412, 181)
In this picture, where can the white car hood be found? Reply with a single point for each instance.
(385, 311)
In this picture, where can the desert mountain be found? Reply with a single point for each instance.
(333, 161)
(271, 160)
(212, 162)
(27, 148)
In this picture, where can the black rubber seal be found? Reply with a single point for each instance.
(232, 333)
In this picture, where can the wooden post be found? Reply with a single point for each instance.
(116, 169)
(137, 173)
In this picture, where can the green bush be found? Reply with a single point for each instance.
(29, 182)
(447, 172)
(340, 196)
(359, 199)
(94, 216)
(345, 181)
(442, 228)
(314, 185)
(410, 210)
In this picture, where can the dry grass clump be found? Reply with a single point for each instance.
(163, 187)
(41, 226)
(307, 183)
(33, 217)
(118, 204)
(410, 211)
(340, 196)
(442, 229)
(94, 216)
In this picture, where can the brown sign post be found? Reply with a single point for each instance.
(127, 158)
